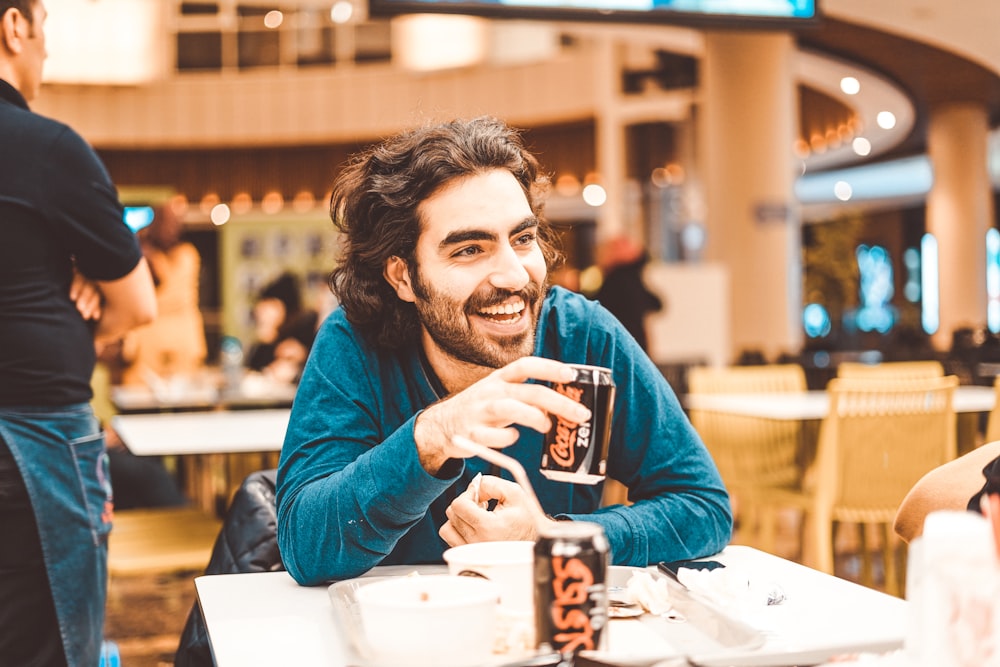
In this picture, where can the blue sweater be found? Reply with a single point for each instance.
(352, 493)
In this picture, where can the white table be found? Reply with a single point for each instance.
(814, 404)
(266, 619)
(216, 432)
(128, 398)
(216, 450)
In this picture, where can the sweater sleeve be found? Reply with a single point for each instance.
(348, 490)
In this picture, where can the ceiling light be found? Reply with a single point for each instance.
(861, 146)
(273, 19)
(341, 12)
(594, 195)
(842, 190)
(850, 85)
(886, 120)
(220, 214)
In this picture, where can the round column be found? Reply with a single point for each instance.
(959, 212)
(747, 120)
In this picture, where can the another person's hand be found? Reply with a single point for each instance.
(513, 517)
(86, 295)
(487, 411)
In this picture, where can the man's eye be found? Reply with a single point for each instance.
(467, 251)
(526, 239)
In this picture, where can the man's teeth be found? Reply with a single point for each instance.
(504, 309)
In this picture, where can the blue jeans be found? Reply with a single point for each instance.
(60, 455)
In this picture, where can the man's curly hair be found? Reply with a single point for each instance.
(374, 204)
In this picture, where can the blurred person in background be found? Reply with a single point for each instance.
(72, 277)
(284, 330)
(174, 344)
(623, 290)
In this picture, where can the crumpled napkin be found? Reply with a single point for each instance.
(648, 592)
(474, 487)
(730, 587)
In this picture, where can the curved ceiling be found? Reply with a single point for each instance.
(928, 74)
(967, 28)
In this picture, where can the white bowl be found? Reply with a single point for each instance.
(441, 620)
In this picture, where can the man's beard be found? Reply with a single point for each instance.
(447, 322)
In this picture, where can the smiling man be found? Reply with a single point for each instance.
(447, 327)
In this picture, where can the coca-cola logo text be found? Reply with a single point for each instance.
(562, 449)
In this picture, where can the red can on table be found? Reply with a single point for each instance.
(571, 597)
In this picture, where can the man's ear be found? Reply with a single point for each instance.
(12, 26)
(397, 274)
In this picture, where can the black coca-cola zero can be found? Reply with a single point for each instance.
(578, 453)
(571, 598)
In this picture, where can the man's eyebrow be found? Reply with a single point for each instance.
(466, 235)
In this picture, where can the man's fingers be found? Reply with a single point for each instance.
(549, 400)
(499, 489)
(450, 535)
(536, 368)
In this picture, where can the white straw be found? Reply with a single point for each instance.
(509, 464)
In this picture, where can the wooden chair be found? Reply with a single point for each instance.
(753, 454)
(890, 369)
(878, 439)
(161, 540)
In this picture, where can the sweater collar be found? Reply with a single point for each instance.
(11, 95)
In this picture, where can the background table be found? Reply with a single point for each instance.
(137, 399)
(266, 619)
(215, 450)
(809, 405)
(216, 432)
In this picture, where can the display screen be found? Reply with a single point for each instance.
(138, 217)
(639, 11)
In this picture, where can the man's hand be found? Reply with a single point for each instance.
(513, 518)
(486, 411)
(86, 295)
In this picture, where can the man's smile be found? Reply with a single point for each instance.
(506, 312)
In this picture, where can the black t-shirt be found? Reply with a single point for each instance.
(57, 206)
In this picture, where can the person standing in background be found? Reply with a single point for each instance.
(72, 277)
(174, 344)
(624, 291)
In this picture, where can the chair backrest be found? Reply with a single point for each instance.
(891, 369)
(878, 439)
(749, 451)
(248, 542)
(993, 422)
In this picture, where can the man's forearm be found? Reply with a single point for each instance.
(128, 302)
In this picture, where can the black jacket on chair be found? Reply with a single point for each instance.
(247, 543)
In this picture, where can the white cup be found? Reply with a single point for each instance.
(953, 585)
(510, 564)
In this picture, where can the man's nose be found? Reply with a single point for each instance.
(508, 270)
